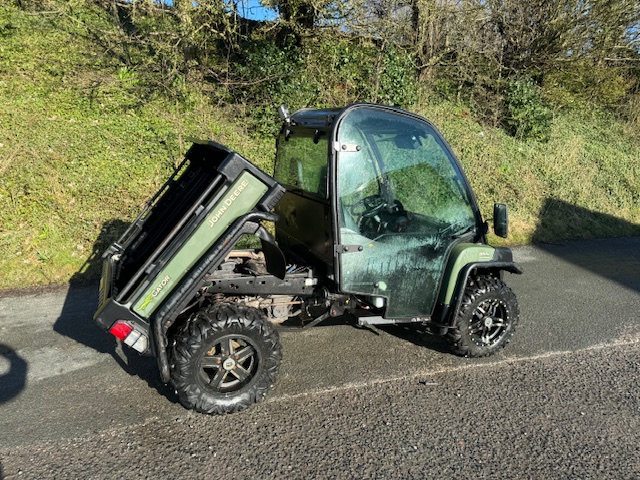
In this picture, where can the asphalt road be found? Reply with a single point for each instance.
(562, 400)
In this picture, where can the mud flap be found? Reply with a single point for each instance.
(276, 263)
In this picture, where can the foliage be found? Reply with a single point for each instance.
(473, 51)
(397, 81)
(99, 97)
(324, 72)
(587, 83)
(527, 115)
(267, 76)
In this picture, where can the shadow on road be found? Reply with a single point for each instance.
(76, 319)
(619, 263)
(13, 381)
(418, 335)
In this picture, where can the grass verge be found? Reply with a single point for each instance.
(82, 146)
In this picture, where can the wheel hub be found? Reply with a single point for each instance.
(488, 322)
(229, 364)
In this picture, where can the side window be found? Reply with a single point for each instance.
(301, 163)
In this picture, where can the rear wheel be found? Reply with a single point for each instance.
(486, 320)
(224, 359)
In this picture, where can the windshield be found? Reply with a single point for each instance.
(391, 164)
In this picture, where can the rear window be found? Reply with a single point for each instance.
(301, 163)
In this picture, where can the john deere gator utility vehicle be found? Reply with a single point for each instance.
(374, 221)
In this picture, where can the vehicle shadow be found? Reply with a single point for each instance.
(76, 320)
(419, 336)
(619, 261)
(13, 381)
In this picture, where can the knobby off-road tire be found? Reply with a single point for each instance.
(487, 318)
(224, 359)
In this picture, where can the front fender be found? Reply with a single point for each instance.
(466, 258)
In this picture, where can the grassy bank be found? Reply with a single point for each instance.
(582, 183)
(82, 146)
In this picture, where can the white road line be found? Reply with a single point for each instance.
(628, 340)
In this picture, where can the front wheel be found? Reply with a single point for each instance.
(486, 320)
(224, 359)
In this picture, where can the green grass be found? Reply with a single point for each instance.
(83, 144)
(588, 173)
(80, 146)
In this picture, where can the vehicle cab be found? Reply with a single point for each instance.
(378, 198)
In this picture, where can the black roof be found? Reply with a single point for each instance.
(325, 118)
(316, 117)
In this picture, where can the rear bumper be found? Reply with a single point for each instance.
(110, 310)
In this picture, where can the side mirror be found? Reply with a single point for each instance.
(500, 220)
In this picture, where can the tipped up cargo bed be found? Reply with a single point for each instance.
(185, 231)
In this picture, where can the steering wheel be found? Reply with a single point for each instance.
(368, 206)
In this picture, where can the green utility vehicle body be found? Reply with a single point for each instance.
(374, 221)
(187, 229)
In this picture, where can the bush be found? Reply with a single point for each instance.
(321, 72)
(527, 115)
(352, 70)
(588, 84)
(266, 75)
(398, 80)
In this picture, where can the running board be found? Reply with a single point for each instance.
(366, 321)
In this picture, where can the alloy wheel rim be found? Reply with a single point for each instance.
(229, 365)
(489, 322)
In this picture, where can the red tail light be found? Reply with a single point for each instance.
(121, 329)
(130, 336)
